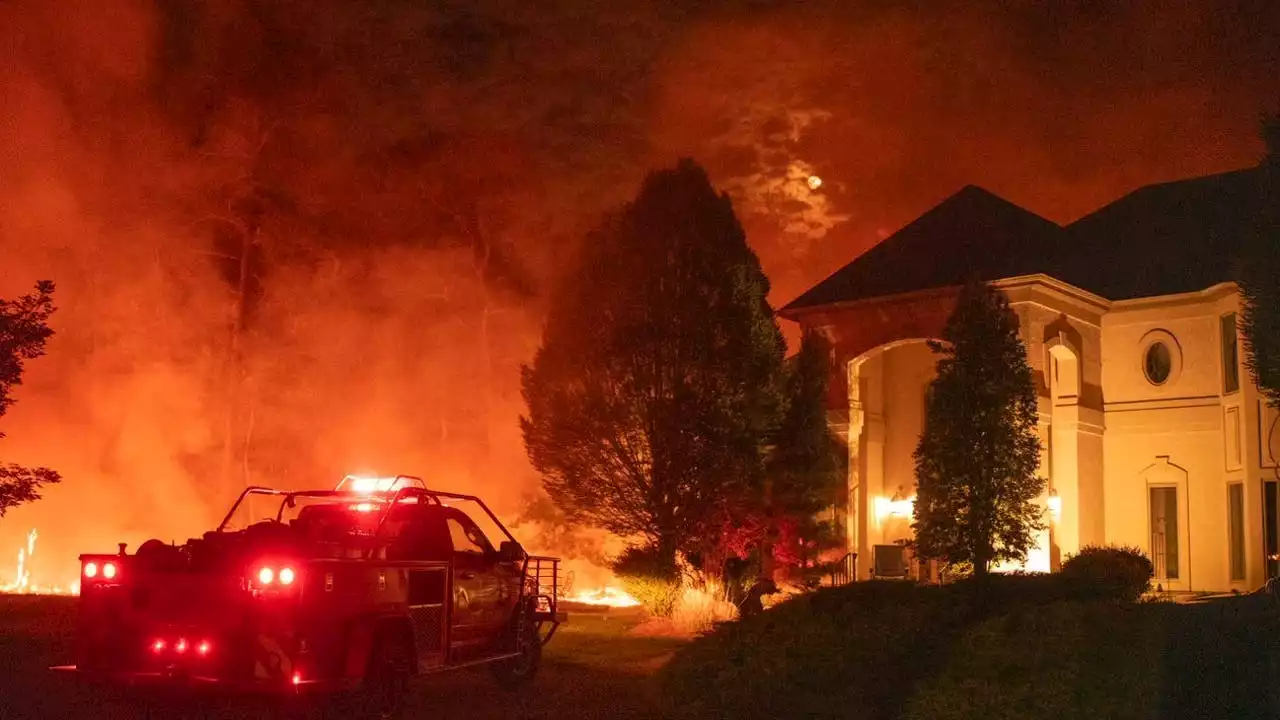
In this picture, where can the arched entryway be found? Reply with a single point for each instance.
(886, 387)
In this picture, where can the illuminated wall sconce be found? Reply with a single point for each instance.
(1055, 505)
(887, 508)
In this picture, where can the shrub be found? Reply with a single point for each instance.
(649, 579)
(1108, 572)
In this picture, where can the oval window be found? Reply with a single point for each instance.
(1158, 363)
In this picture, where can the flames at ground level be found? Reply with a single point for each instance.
(19, 581)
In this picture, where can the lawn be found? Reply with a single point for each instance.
(873, 650)
(886, 650)
(610, 639)
(595, 667)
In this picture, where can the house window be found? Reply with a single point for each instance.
(1157, 363)
(1164, 531)
(1235, 529)
(1230, 354)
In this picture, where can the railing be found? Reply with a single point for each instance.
(543, 573)
(844, 570)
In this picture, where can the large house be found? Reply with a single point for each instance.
(1153, 432)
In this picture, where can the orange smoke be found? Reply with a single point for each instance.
(409, 198)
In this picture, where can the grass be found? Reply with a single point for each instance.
(1064, 660)
(894, 650)
(608, 640)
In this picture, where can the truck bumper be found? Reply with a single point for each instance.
(296, 686)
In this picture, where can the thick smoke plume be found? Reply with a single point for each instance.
(298, 239)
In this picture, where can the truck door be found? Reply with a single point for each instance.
(424, 539)
(472, 583)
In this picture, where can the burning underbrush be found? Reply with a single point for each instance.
(19, 580)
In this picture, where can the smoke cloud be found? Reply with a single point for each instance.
(295, 240)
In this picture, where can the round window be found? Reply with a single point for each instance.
(1158, 363)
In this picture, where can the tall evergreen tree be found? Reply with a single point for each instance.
(1259, 278)
(976, 462)
(24, 328)
(805, 468)
(654, 390)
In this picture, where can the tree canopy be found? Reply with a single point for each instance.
(24, 328)
(655, 388)
(978, 455)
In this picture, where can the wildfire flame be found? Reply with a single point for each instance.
(22, 585)
(607, 595)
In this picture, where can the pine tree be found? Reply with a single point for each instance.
(653, 393)
(976, 462)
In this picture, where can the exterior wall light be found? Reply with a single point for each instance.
(1055, 505)
(887, 508)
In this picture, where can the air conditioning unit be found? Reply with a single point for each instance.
(889, 561)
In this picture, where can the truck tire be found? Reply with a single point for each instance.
(386, 680)
(519, 670)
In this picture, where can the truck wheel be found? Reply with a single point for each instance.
(386, 681)
(521, 669)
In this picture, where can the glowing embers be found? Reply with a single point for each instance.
(607, 595)
(181, 646)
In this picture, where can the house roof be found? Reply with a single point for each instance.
(1163, 239)
(972, 233)
(1158, 240)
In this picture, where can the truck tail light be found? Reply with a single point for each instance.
(180, 646)
(268, 575)
(91, 570)
(109, 571)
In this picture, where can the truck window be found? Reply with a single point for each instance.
(421, 536)
(466, 537)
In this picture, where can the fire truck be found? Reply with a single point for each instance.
(354, 590)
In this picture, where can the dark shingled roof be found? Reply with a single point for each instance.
(1163, 239)
(972, 233)
(1160, 239)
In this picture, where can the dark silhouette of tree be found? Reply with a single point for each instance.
(976, 463)
(1259, 278)
(804, 470)
(24, 328)
(805, 467)
(654, 391)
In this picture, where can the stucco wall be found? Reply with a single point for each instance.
(1187, 432)
(1109, 432)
